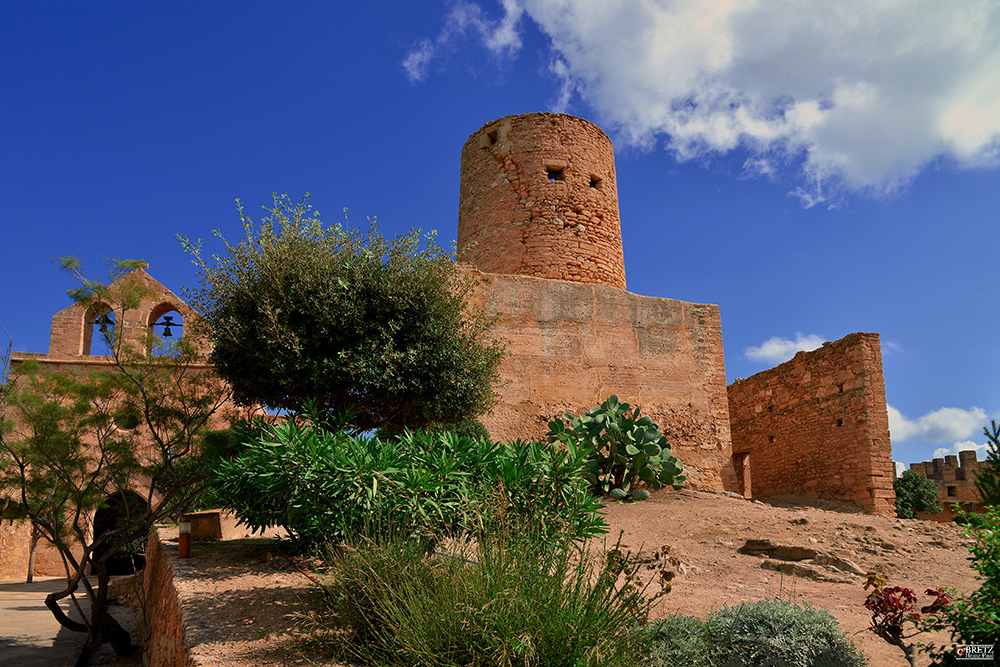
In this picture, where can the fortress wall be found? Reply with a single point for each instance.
(817, 426)
(538, 197)
(955, 477)
(571, 346)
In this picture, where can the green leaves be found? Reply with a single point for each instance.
(626, 449)
(298, 310)
(324, 484)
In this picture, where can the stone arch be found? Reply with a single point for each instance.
(91, 324)
(118, 505)
(158, 322)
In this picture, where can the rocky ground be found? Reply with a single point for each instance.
(248, 601)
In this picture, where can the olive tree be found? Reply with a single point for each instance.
(299, 312)
(119, 439)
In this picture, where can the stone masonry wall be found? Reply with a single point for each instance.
(818, 426)
(15, 544)
(570, 346)
(164, 632)
(955, 477)
(539, 198)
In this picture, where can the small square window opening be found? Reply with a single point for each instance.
(554, 174)
(595, 182)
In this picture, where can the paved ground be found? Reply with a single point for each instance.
(29, 634)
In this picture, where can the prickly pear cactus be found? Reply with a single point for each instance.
(628, 450)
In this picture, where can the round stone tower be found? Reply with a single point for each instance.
(539, 198)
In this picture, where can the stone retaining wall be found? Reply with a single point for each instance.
(164, 633)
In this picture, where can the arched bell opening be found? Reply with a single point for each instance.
(98, 330)
(167, 327)
(120, 509)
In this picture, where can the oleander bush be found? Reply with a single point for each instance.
(323, 483)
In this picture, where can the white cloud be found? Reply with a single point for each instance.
(776, 350)
(965, 445)
(856, 95)
(947, 425)
(501, 36)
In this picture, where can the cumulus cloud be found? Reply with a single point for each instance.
(965, 445)
(947, 425)
(776, 349)
(857, 95)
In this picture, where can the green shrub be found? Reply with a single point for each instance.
(974, 619)
(968, 519)
(676, 641)
(324, 484)
(915, 493)
(510, 598)
(768, 633)
(627, 451)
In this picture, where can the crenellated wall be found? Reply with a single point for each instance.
(818, 426)
(955, 477)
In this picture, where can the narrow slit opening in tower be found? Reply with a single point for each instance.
(491, 137)
(595, 182)
(555, 174)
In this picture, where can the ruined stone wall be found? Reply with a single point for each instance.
(570, 346)
(818, 426)
(955, 477)
(539, 198)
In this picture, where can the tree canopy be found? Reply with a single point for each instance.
(299, 311)
(915, 493)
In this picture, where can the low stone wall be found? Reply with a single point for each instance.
(164, 633)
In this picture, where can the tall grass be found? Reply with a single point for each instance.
(509, 597)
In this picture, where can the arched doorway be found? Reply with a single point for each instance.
(130, 557)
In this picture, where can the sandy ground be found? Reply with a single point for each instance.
(245, 603)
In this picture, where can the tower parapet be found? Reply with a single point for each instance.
(539, 198)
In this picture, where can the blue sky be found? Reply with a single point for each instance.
(813, 171)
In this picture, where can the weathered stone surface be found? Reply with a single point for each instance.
(572, 345)
(538, 197)
(772, 549)
(818, 426)
(842, 564)
(810, 570)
